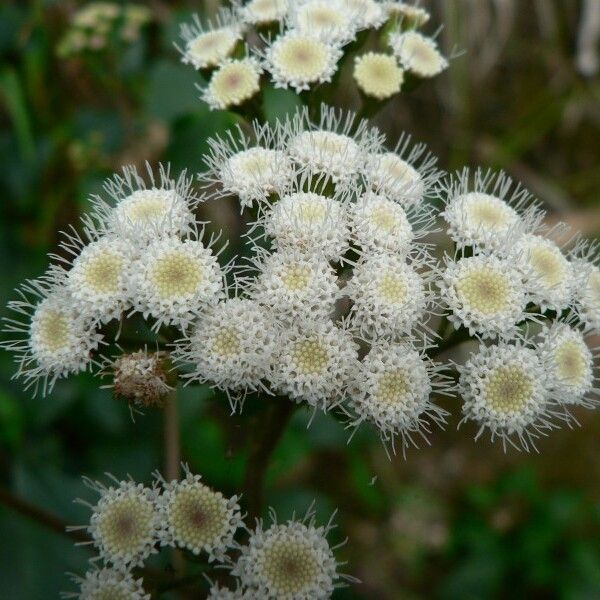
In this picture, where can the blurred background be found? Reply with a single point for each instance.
(455, 520)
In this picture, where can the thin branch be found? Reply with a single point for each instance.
(29, 510)
(264, 444)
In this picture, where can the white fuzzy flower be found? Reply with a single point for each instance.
(175, 279)
(335, 148)
(292, 283)
(505, 390)
(417, 53)
(234, 82)
(300, 60)
(389, 298)
(309, 222)
(54, 341)
(208, 45)
(551, 279)
(569, 364)
(125, 522)
(415, 15)
(392, 389)
(217, 592)
(108, 584)
(379, 224)
(252, 170)
(488, 212)
(263, 12)
(99, 278)
(378, 75)
(231, 346)
(584, 258)
(485, 294)
(289, 562)
(314, 363)
(326, 20)
(139, 211)
(197, 518)
(367, 13)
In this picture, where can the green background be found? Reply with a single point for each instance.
(455, 520)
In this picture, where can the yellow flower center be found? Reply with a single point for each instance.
(290, 566)
(548, 265)
(177, 274)
(296, 277)
(594, 287)
(301, 57)
(109, 592)
(571, 362)
(53, 330)
(227, 342)
(392, 387)
(488, 215)
(508, 389)
(485, 290)
(393, 289)
(310, 357)
(311, 212)
(384, 218)
(102, 272)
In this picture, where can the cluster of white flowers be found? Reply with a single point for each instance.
(344, 301)
(301, 44)
(142, 252)
(130, 521)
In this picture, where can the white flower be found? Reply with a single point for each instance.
(485, 294)
(207, 45)
(378, 75)
(217, 592)
(489, 213)
(505, 389)
(175, 279)
(251, 170)
(234, 82)
(551, 280)
(314, 363)
(300, 60)
(231, 346)
(587, 283)
(379, 224)
(196, 518)
(389, 298)
(392, 389)
(54, 341)
(569, 364)
(125, 522)
(289, 562)
(416, 15)
(292, 283)
(326, 20)
(335, 148)
(417, 53)
(263, 12)
(309, 222)
(405, 175)
(99, 278)
(140, 212)
(367, 13)
(108, 584)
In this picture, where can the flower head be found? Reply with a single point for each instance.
(378, 75)
(124, 523)
(489, 213)
(299, 60)
(234, 82)
(108, 583)
(417, 53)
(485, 294)
(206, 45)
(195, 517)
(292, 283)
(506, 391)
(367, 13)
(314, 363)
(389, 297)
(415, 15)
(289, 562)
(326, 20)
(569, 364)
(264, 12)
(175, 279)
(392, 389)
(231, 346)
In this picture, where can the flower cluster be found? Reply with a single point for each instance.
(303, 44)
(141, 252)
(96, 23)
(345, 301)
(130, 521)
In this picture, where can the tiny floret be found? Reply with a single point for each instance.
(234, 82)
(390, 175)
(326, 20)
(263, 12)
(378, 75)
(417, 53)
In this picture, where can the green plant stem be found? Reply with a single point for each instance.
(264, 443)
